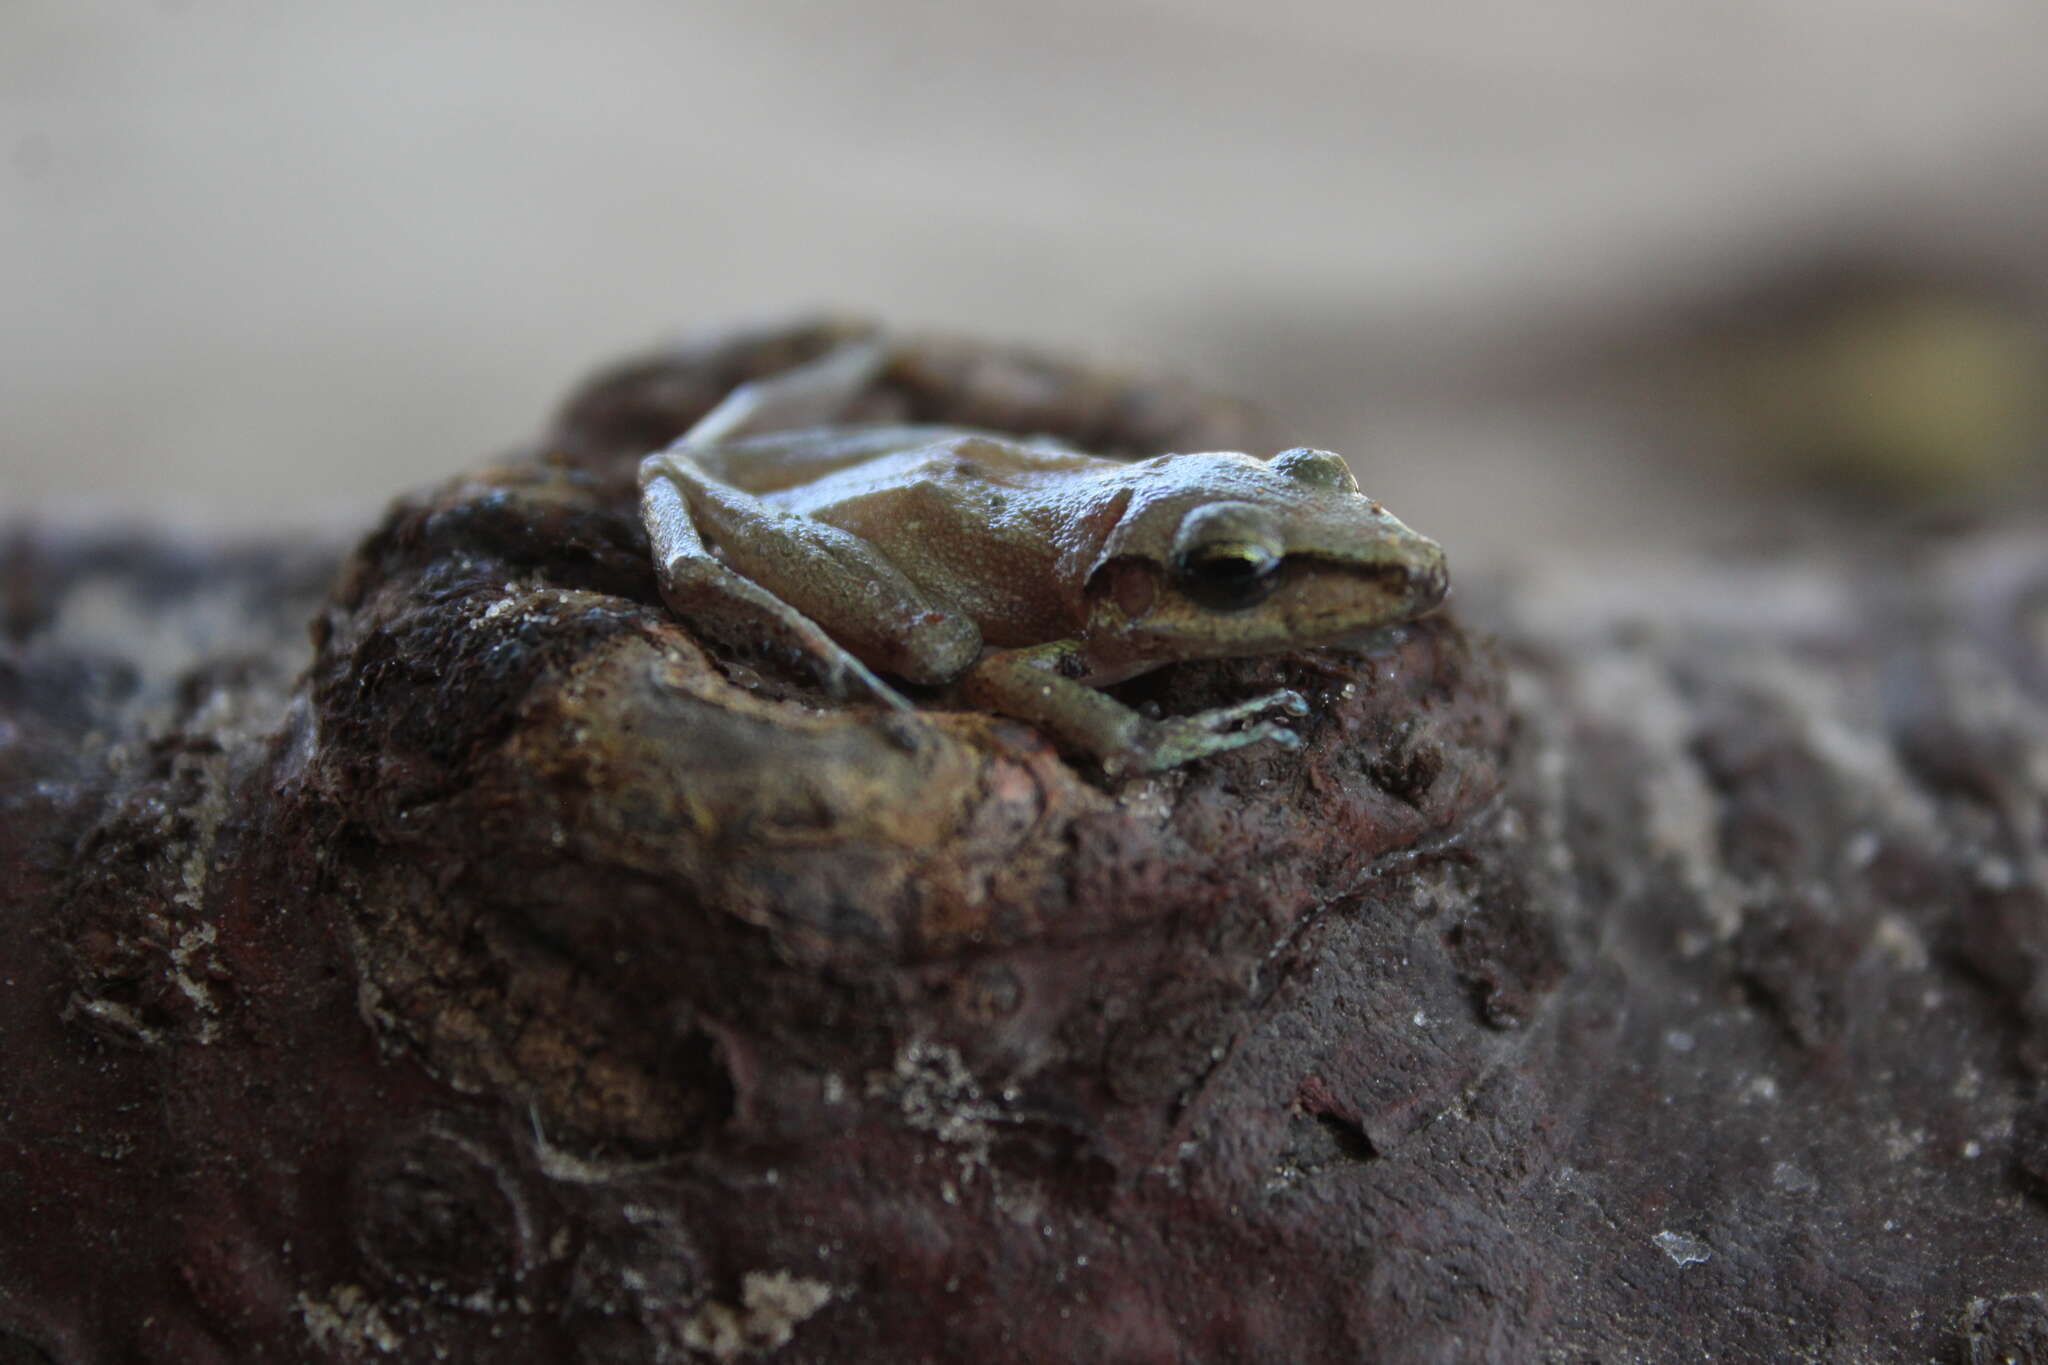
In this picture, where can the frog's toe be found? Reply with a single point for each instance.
(1286, 701)
(1265, 732)
(1290, 701)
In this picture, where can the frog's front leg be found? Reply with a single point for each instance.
(1040, 685)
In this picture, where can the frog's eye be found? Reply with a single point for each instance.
(1322, 468)
(1228, 575)
(1227, 555)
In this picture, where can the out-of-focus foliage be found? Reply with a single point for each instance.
(1911, 390)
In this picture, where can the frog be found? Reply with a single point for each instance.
(1018, 575)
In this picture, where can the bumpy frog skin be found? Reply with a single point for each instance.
(1020, 573)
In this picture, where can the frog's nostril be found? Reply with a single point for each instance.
(1430, 587)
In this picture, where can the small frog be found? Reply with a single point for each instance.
(1021, 573)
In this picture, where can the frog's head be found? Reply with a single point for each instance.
(1217, 555)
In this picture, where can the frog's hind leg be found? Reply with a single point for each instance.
(739, 612)
(817, 585)
(810, 394)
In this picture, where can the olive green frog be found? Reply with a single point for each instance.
(1020, 573)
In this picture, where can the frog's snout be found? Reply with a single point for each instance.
(1419, 583)
(1429, 585)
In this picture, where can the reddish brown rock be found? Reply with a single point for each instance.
(523, 982)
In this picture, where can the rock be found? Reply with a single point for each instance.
(508, 976)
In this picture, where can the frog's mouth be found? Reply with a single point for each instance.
(1311, 600)
(1320, 599)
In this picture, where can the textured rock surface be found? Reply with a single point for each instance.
(1667, 981)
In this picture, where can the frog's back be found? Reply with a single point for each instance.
(783, 461)
(974, 520)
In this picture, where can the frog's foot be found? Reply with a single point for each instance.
(805, 396)
(1164, 744)
(1037, 684)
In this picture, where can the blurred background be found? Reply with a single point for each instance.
(1625, 274)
